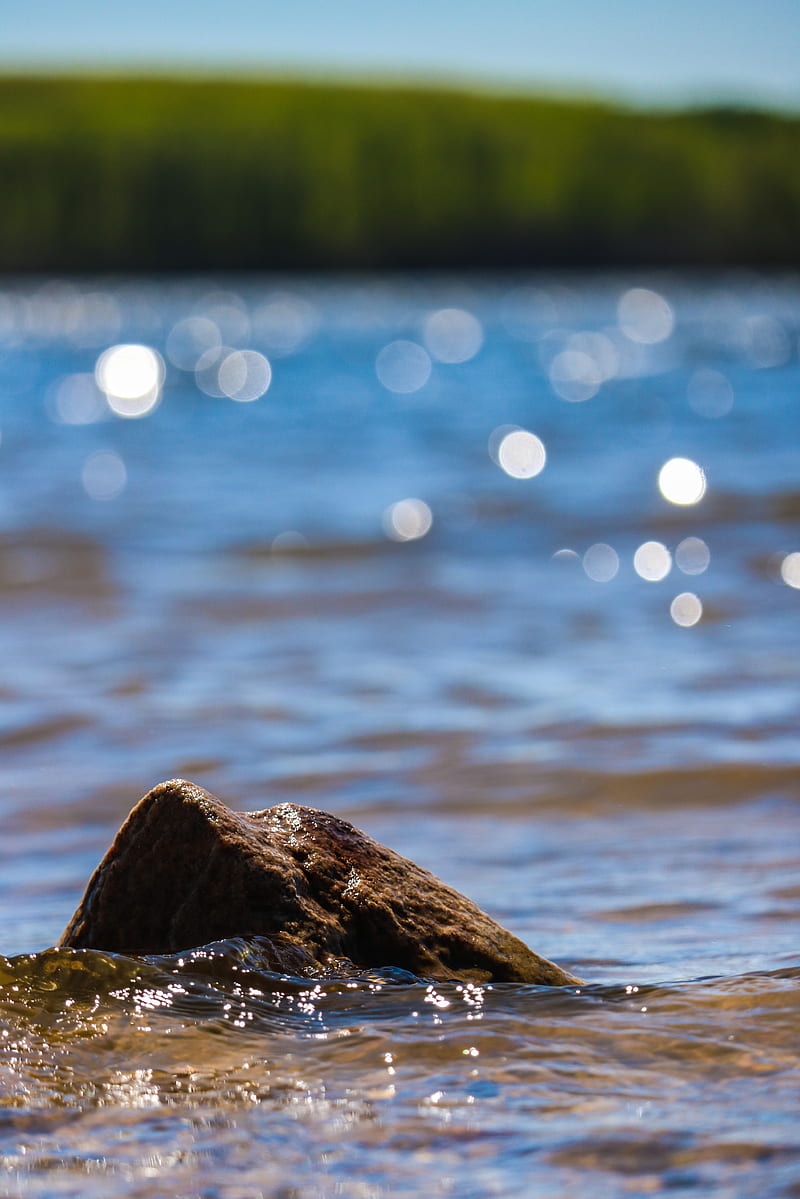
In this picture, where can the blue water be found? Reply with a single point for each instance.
(214, 588)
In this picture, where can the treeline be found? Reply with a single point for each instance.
(125, 174)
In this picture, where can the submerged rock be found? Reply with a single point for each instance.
(185, 870)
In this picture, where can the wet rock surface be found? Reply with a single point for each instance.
(185, 870)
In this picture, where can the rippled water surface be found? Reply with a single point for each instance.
(410, 551)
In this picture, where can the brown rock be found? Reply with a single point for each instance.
(185, 870)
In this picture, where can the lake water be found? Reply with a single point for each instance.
(505, 571)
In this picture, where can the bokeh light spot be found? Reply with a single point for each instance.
(228, 312)
(189, 339)
(601, 562)
(453, 335)
(407, 520)
(496, 438)
(575, 376)
(104, 476)
(600, 349)
(131, 377)
(692, 556)
(682, 481)
(645, 316)
(521, 454)
(244, 375)
(652, 561)
(686, 609)
(206, 372)
(764, 341)
(77, 400)
(710, 393)
(403, 366)
(288, 542)
(790, 569)
(284, 323)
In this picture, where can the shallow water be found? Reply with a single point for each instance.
(619, 789)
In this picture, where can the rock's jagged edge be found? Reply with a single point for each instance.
(185, 870)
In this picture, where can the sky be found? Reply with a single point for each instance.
(647, 52)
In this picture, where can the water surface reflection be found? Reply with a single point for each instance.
(503, 571)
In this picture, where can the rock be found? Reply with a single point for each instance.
(185, 870)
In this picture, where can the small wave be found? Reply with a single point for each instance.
(199, 983)
(231, 610)
(196, 981)
(298, 547)
(215, 1029)
(54, 562)
(570, 791)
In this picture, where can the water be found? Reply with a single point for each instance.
(215, 589)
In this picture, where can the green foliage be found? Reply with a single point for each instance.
(163, 174)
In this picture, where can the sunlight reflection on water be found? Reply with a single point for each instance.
(131, 377)
(257, 595)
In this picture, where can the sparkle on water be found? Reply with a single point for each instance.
(645, 316)
(710, 393)
(403, 366)
(601, 350)
(609, 770)
(207, 368)
(244, 375)
(407, 520)
(189, 338)
(790, 569)
(682, 481)
(521, 454)
(77, 400)
(764, 341)
(692, 556)
(452, 335)
(284, 323)
(131, 377)
(686, 609)
(601, 562)
(104, 475)
(652, 561)
(575, 375)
